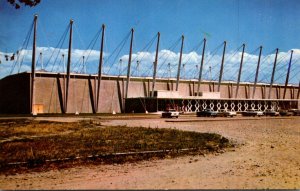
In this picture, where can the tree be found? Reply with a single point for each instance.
(17, 3)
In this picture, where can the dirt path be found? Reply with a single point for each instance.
(268, 158)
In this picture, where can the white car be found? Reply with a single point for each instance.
(253, 112)
(170, 113)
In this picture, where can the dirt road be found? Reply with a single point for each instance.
(268, 157)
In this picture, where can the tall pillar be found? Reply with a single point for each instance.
(240, 73)
(257, 70)
(273, 73)
(222, 66)
(179, 65)
(33, 65)
(68, 67)
(129, 63)
(155, 65)
(201, 66)
(100, 68)
(288, 74)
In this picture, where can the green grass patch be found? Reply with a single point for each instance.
(86, 138)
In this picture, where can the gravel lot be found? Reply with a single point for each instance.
(267, 157)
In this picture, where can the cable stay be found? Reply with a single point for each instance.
(172, 47)
(167, 53)
(193, 72)
(213, 54)
(262, 68)
(247, 61)
(88, 51)
(194, 49)
(59, 44)
(76, 32)
(117, 50)
(24, 47)
(265, 76)
(281, 69)
(145, 49)
(293, 63)
(228, 68)
(294, 76)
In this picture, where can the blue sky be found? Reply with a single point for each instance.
(271, 23)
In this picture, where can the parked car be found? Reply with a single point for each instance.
(207, 113)
(253, 112)
(225, 113)
(295, 111)
(170, 113)
(285, 113)
(270, 112)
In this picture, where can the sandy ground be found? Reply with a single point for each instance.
(268, 157)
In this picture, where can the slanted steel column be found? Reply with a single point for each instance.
(201, 66)
(100, 69)
(257, 70)
(155, 65)
(68, 66)
(179, 65)
(240, 73)
(288, 75)
(273, 73)
(129, 63)
(33, 65)
(222, 66)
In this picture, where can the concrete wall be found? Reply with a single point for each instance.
(50, 91)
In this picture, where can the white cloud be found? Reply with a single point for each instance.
(167, 64)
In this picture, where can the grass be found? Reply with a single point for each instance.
(41, 141)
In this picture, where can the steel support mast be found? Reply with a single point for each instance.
(288, 74)
(68, 66)
(240, 73)
(257, 70)
(179, 64)
(222, 66)
(33, 65)
(129, 63)
(155, 65)
(201, 66)
(273, 73)
(100, 69)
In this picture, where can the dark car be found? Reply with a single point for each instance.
(207, 113)
(270, 112)
(295, 111)
(285, 113)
